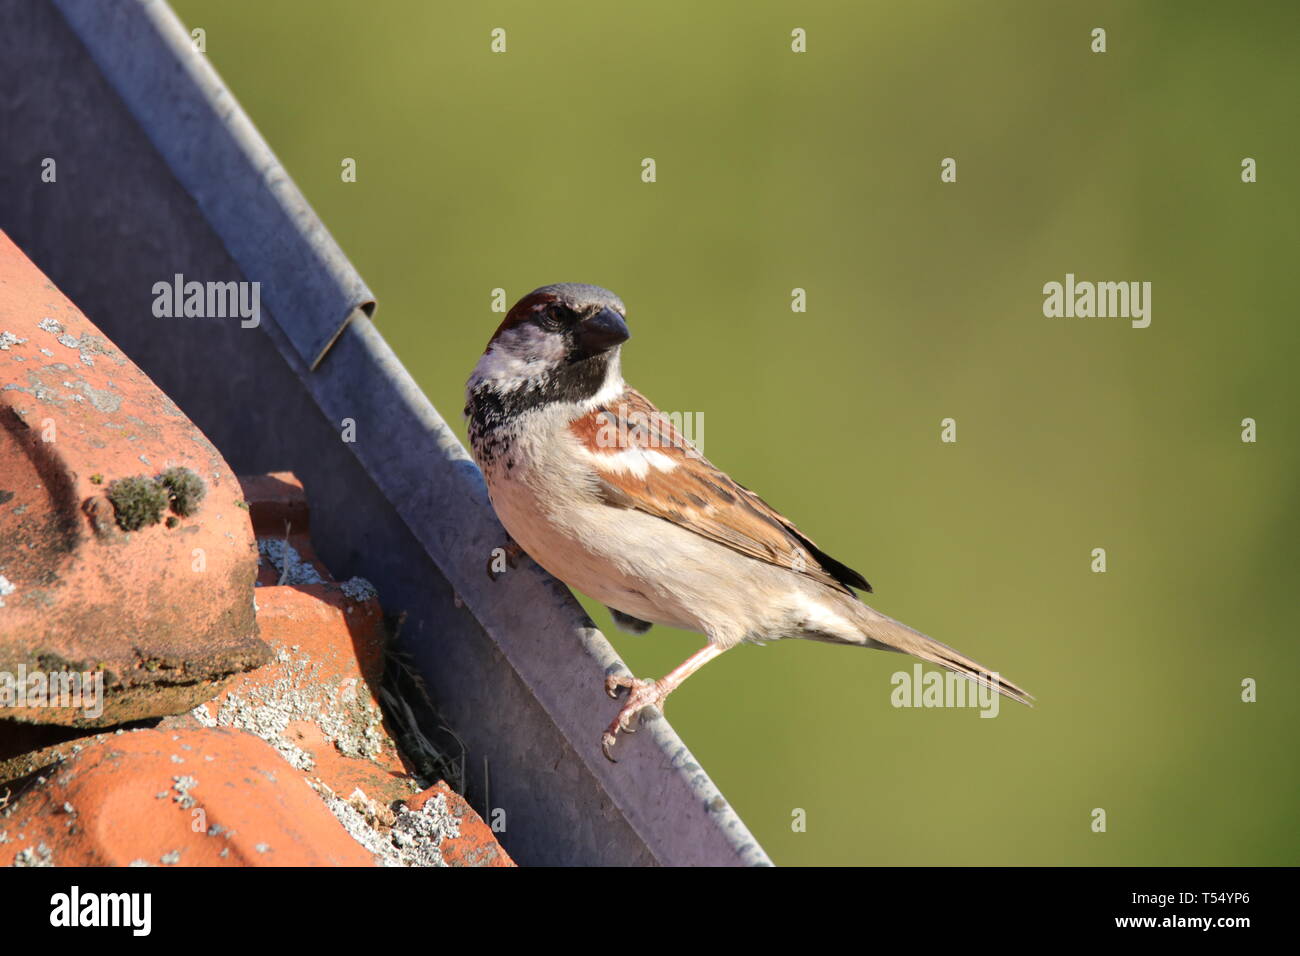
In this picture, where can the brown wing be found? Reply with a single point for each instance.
(643, 462)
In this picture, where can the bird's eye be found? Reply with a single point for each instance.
(554, 318)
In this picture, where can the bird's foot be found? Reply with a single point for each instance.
(642, 694)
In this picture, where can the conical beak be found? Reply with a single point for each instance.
(601, 332)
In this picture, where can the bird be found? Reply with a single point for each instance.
(601, 489)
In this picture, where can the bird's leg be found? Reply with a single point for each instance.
(645, 693)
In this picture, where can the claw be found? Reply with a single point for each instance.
(644, 693)
(648, 693)
(614, 682)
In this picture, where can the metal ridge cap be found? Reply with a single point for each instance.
(216, 153)
(661, 790)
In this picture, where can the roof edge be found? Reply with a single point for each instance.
(222, 161)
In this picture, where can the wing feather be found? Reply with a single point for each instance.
(643, 462)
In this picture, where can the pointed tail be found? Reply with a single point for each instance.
(888, 634)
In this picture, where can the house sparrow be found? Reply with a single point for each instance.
(602, 491)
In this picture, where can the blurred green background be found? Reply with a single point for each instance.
(821, 171)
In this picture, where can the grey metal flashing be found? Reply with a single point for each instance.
(212, 147)
(515, 665)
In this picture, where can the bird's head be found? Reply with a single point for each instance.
(559, 343)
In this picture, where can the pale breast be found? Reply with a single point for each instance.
(550, 502)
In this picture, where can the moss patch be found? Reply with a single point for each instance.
(184, 488)
(138, 501)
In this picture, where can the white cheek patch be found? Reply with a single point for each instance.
(519, 356)
(613, 387)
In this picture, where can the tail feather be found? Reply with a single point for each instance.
(891, 635)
